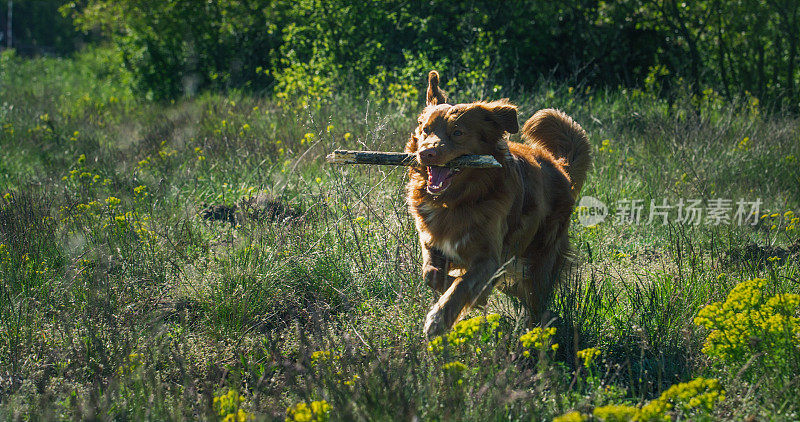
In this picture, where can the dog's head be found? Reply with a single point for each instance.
(446, 131)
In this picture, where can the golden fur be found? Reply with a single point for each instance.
(474, 220)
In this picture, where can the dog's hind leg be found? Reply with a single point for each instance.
(536, 287)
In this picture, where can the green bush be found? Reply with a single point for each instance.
(306, 50)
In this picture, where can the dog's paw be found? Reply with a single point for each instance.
(435, 324)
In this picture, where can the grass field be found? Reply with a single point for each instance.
(140, 282)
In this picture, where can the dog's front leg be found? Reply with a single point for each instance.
(461, 295)
(434, 269)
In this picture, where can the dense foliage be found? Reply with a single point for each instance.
(311, 47)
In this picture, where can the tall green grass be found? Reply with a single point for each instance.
(118, 299)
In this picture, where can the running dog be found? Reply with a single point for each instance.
(470, 221)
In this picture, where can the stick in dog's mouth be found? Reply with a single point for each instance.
(439, 179)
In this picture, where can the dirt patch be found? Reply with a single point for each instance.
(263, 207)
(180, 310)
(760, 256)
(226, 213)
(259, 207)
(647, 255)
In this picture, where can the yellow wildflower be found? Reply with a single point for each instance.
(699, 394)
(616, 413)
(320, 356)
(228, 407)
(588, 355)
(112, 201)
(465, 331)
(571, 417)
(133, 361)
(743, 145)
(317, 411)
(748, 323)
(351, 381)
(538, 338)
(454, 367)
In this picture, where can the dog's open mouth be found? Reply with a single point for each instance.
(439, 179)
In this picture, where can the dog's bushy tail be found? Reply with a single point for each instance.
(556, 131)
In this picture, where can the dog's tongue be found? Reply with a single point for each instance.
(438, 179)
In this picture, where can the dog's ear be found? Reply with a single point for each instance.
(435, 94)
(502, 113)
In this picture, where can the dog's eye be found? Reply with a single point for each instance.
(457, 133)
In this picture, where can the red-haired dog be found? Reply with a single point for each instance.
(473, 220)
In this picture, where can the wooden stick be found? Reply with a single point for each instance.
(341, 156)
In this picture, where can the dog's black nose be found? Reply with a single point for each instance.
(428, 155)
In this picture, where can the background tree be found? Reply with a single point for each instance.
(309, 49)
